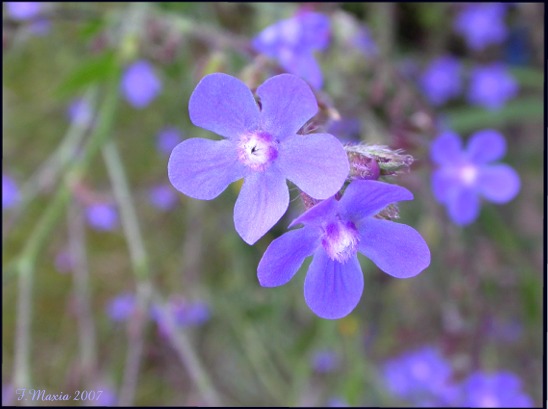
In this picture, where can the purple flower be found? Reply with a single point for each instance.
(80, 112)
(262, 146)
(140, 85)
(482, 24)
(325, 361)
(24, 10)
(293, 41)
(10, 192)
(107, 398)
(363, 41)
(491, 86)
(8, 394)
(420, 376)
(441, 81)
(121, 307)
(496, 390)
(167, 139)
(102, 216)
(185, 314)
(64, 261)
(334, 231)
(465, 175)
(163, 197)
(337, 402)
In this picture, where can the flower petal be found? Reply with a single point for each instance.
(443, 184)
(318, 214)
(446, 148)
(224, 105)
(463, 206)
(332, 289)
(498, 183)
(202, 168)
(262, 202)
(316, 163)
(364, 198)
(285, 255)
(287, 103)
(397, 249)
(485, 146)
(303, 64)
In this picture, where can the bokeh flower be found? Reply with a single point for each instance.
(465, 175)
(102, 216)
(10, 192)
(24, 10)
(363, 41)
(325, 360)
(292, 42)
(121, 307)
(162, 197)
(421, 377)
(334, 232)
(262, 146)
(80, 112)
(184, 313)
(494, 390)
(140, 85)
(491, 86)
(64, 261)
(167, 139)
(482, 24)
(441, 81)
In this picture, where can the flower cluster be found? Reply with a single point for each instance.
(465, 175)
(424, 377)
(292, 43)
(264, 145)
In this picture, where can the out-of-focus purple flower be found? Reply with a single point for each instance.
(102, 216)
(325, 361)
(421, 377)
(107, 398)
(441, 80)
(8, 395)
(495, 390)
(185, 314)
(346, 129)
(337, 402)
(465, 175)
(24, 10)
(167, 139)
(10, 192)
(121, 307)
(491, 86)
(262, 146)
(163, 197)
(363, 41)
(64, 262)
(80, 112)
(482, 24)
(292, 43)
(140, 84)
(334, 231)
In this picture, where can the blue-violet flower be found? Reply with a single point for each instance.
(494, 390)
(262, 146)
(292, 43)
(334, 231)
(140, 85)
(491, 86)
(466, 174)
(441, 80)
(482, 24)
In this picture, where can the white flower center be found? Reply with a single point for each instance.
(340, 240)
(468, 174)
(257, 150)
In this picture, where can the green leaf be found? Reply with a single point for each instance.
(528, 77)
(469, 118)
(92, 70)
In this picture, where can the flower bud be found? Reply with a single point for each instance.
(390, 162)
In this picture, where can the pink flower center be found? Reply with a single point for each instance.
(257, 150)
(340, 240)
(468, 174)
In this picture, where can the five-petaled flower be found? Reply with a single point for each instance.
(262, 146)
(293, 42)
(334, 231)
(465, 175)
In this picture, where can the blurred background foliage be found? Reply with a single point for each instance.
(480, 301)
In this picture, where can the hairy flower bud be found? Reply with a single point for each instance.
(389, 162)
